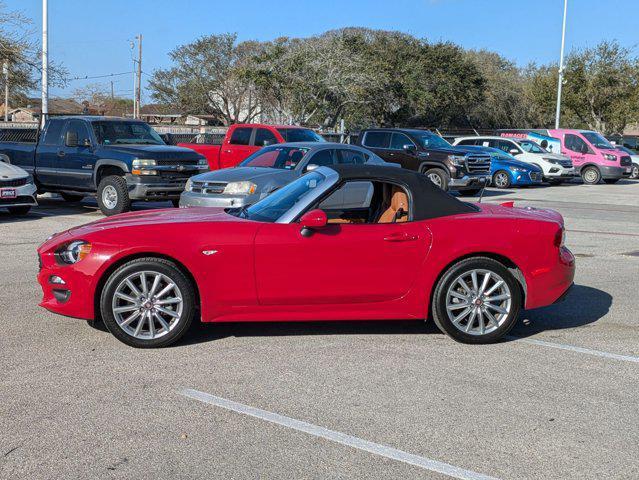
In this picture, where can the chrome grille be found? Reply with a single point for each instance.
(477, 164)
(13, 183)
(208, 188)
(626, 161)
(176, 161)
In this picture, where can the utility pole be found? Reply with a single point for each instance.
(561, 67)
(132, 43)
(5, 71)
(139, 82)
(45, 62)
(112, 95)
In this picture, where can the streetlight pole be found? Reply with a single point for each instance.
(5, 71)
(45, 62)
(561, 67)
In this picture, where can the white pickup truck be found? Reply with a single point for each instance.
(17, 191)
(556, 168)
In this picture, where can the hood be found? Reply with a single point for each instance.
(239, 174)
(11, 172)
(157, 152)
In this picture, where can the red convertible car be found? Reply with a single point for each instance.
(403, 249)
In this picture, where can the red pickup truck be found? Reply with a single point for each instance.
(243, 139)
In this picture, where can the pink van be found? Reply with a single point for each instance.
(593, 156)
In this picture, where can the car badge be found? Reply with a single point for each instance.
(180, 168)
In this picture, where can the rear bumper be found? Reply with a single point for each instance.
(549, 284)
(469, 181)
(25, 197)
(190, 199)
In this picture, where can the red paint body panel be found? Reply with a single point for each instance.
(270, 272)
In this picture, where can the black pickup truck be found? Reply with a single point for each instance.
(448, 167)
(118, 159)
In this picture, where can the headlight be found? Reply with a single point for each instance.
(457, 160)
(609, 157)
(29, 179)
(240, 188)
(518, 169)
(189, 185)
(140, 167)
(74, 251)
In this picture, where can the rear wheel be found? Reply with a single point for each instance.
(438, 177)
(501, 179)
(610, 181)
(19, 210)
(71, 197)
(477, 301)
(113, 196)
(148, 302)
(634, 171)
(591, 175)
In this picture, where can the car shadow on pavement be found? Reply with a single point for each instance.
(582, 306)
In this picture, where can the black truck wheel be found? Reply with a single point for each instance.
(113, 197)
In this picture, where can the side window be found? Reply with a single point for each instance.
(575, 144)
(352, 157)
(468, 142)
(377, 139)
(241, 136)
(80, 129)
(53, 135)
(264, 137)
(323, 158)
(502, 145)
(398, 140)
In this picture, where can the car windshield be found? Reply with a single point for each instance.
(272, 207)
(276, 157)
(300, 135)
(597, 141)
(531, 147)
(130, 133)
(430, 140)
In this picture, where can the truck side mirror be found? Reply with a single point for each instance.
(410, 148)
(71, 139)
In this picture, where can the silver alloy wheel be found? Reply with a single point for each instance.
(634, 172)
(590, 175)
(147, 305)
(110, 197)
(478, 302)
(501, 180)
(436, 179)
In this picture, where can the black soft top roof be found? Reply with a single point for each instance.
(429, 201)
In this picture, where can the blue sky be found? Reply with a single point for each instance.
(91, 37)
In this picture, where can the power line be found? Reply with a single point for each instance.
(100, 76)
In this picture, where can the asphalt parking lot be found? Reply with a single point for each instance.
(558, 399)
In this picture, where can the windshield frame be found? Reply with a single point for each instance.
(417, 137)
(270, 148)
(151, 132)
(534, 144)
(589, 135)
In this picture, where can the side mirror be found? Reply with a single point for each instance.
(71, 139)
(514, 151)
(313, 220)
(410, 148)
(310, 167)
(86, 143)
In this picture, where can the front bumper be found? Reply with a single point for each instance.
(469, 181)
(615, 172)
(161, 187)
(25, 196)
(558, 172)
(190, 199)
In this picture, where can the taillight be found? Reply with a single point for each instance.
(560, 237)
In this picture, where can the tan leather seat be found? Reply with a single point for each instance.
(399, 200)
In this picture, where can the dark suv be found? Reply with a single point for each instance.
(448, 167)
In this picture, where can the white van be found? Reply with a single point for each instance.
(557, 168)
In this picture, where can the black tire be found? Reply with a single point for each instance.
(122, 202)
(19, 210)
(71, 197)
(440, 178)
(176, 202)
(471, 192)
(634, 171)
(438, 305)
(156, 265)
(591, 175)
(507, 183)
(610, 181)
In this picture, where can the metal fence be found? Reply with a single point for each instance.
(18, 132)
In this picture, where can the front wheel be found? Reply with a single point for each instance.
(113, 196)
(438, 177)
(476, 301)
(591, 175)
(501, 179)
(147, 303)
(634, 171)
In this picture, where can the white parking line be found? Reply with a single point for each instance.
(338, 437)
(571, 348)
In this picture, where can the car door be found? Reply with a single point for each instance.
(379, 142)
(76, 162)
(339, 264)
(237, 147)
(577, 149)
(398, 152)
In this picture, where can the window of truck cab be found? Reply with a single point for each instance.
(125, 133)
(376, 139)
